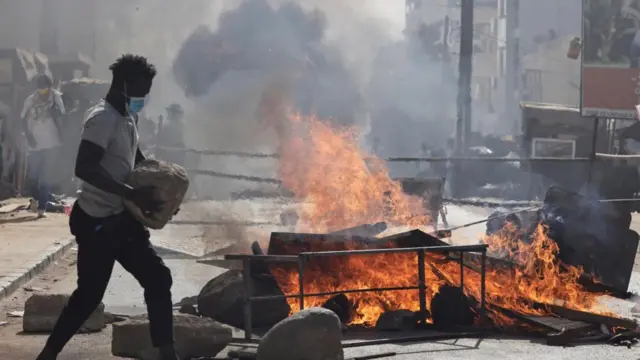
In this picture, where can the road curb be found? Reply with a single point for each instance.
(14, 281)
(167, 252)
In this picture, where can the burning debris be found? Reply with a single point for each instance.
(532, 283)
(525, 285)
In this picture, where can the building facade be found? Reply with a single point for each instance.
(66, 27)
(519, 53)
(485, 48)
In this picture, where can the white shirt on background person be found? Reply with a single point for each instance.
(39, 121)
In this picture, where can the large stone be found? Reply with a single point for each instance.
(222, 299)
(41, 311)
(310, 334)
(397, 320)
(171, 183)
(194, 337)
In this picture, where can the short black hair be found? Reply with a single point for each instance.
(130, 66)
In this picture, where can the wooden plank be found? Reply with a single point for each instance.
(473, 261)
(609, 321)
(558, 324)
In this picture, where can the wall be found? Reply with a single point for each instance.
(559, 76)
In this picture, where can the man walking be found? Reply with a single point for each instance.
(104, 230)
(41, 120)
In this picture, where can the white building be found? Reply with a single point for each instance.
(519, 53)
(485, 48)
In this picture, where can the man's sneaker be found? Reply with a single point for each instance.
(41, 214)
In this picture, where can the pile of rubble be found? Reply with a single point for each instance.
(315, 332)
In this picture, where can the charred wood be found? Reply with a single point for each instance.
(258, 267)
(627, 338)
(413, 238)
(295, 243)
(364, 230)
(451, 308)
(568, 336)
(341, 306)
(473, 261)
(552, 323)
(611, 322)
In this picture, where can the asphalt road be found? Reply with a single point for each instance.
(125, 297)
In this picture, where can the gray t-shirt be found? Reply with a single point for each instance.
(118, 135)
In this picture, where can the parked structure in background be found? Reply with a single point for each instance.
(519, 53)
(549, 76)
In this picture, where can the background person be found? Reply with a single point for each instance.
(42, 120)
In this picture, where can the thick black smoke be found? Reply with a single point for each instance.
(284, 40)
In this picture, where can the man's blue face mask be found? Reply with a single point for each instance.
(135, 104)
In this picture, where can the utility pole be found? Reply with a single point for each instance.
(512, 63)
(446, 54)
(463, 123)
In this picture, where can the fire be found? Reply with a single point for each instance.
(539, 278)
(342, 186)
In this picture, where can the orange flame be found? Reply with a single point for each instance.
(342, 186)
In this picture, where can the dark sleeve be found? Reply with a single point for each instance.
(95, 139)
(139, 156)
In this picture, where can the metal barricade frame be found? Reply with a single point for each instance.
(303, 257)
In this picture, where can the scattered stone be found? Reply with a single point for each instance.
(110, 318)
(15, 314)
(310, 334)
(171, 183)
(32, 289)
(41, 311)
(397, 320)
(3, 323)
(194, 337)
(188, 309)
(222, 299)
